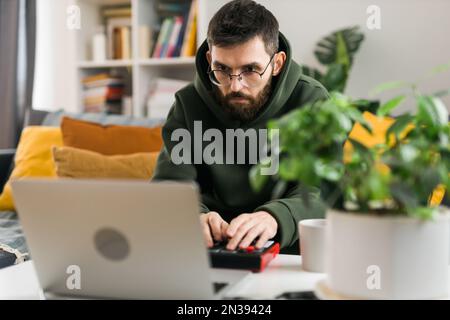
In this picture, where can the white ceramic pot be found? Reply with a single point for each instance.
(387, 257)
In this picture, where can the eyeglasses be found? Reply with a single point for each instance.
(248, 78)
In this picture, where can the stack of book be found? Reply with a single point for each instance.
(161, 96)
(103, 93)
(178, 29)
(117, 20)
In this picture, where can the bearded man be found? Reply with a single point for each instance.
(245, 77)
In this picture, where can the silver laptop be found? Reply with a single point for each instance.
(118, 239)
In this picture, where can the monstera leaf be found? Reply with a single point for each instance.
(312, 72)
(339, 47)
(336, 52)
(336, 77)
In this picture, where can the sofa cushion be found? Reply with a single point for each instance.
(78, 163)
(110, 139)
(33, 158)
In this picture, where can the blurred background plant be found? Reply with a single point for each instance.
(396, 176)
(336, 52)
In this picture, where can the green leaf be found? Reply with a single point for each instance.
(358, 145)
(377, 186)
(361, 151)
(408, 153)
(338, 99)
(429, 180)
(289, 168)
(399, 126)
(441, 110)
(388, 86)
(327, 48)
(432, 111)
(312, 72)
(329, 171)
(357, 116)
(257, 180)
(371, 106)
(343, 57)
(344, 121)
(386, 108)
(404, 194)
(424, 213)
(335, 78)
(439, 69)
(441, 93)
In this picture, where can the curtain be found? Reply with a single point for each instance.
(17, 54)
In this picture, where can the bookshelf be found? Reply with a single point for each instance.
(138, 70)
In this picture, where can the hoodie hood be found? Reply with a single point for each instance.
(284, 85)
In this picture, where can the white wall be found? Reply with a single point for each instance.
(55, 81)
(412, 40)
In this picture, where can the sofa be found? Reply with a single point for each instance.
(11, 233)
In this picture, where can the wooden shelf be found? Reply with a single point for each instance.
(108, 2)
(179, 61)
(104, 64)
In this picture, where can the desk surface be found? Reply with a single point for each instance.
(283, 274)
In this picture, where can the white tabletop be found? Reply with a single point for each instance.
(282, 275)
(19, 282)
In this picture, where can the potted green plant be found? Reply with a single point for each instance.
(380, 224)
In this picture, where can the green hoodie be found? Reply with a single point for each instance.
(225, 188)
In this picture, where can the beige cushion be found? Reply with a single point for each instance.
(79, 163)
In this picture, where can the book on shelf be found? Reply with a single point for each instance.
(119, 38)
(189, 46)
(145, 41)
(177, 33)
(103, 93)
(172, 42)
(163, 34)
(166, 38)
(125, 39)
(180, 38)
(118, 34)
(100, 79)
(161, 96)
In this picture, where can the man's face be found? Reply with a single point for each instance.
(241, 101)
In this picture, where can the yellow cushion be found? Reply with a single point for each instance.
(78, 163)
(379, 129)
(33, 158)
(110, 139)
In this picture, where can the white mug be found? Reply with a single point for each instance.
(312, 244)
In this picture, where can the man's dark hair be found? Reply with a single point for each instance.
(241, 20)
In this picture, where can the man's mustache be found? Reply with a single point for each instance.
(237, 95)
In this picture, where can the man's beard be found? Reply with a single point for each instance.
(248, 110)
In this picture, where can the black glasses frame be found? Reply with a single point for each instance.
(239, 75)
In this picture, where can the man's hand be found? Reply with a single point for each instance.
(248, 226)
(213, 227)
